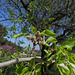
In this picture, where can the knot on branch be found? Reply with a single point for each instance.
(17, 60)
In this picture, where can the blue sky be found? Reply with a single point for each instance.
(5, 15)
(8, 24)
(24, 39)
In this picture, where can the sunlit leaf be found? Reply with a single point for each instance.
(29, 73)
(59, 50)
(51, 39)
(68, 44)
(61, 60)
(20, 35)
(19, 69)
(24, 70)
(71, 68)
(46, 44)
(33, 29)
(47, 51)
(48, 33)
(38, 69)
(71, 60)
(32, 62)
(63, 70)
(15, 55)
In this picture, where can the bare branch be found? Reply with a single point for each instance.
(9, 19)
(14, 61)
(7, 63)
(25, 5)
(69, 30)
(16, 5)
(56, 24)
(5, 20)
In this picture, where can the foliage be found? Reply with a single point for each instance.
(7, 49)
(51, 39)
(48, 33)
(11, 70)
(30, 68)
(3, 31)
(20, 35)
(62, 55)
(68, 44)
(6, 52)
(45, 16)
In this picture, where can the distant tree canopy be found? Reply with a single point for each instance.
(3, 32)
(56, 15)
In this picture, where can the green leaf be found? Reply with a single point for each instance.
(60, 60)
(63, 70)
(71, 60)
(51, 19)
(46, 44)
(48, 33)
(32, 62)
(34, 72)
(60, 71)
(50, 59)
(33, 29)
(15, 55)
(59, 50)
(47, 51)
(68, 44)
(24, 70)
(38, 69)
(71, 68)
(20, 35)
(29, 73)
(19, 69)
(51, 39)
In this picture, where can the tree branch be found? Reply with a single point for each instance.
(56, 24)
(17, 60)
(70, 29)
(16, 5)
(9, 19)
(14, 61)
(5, 20)
(25, 6)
